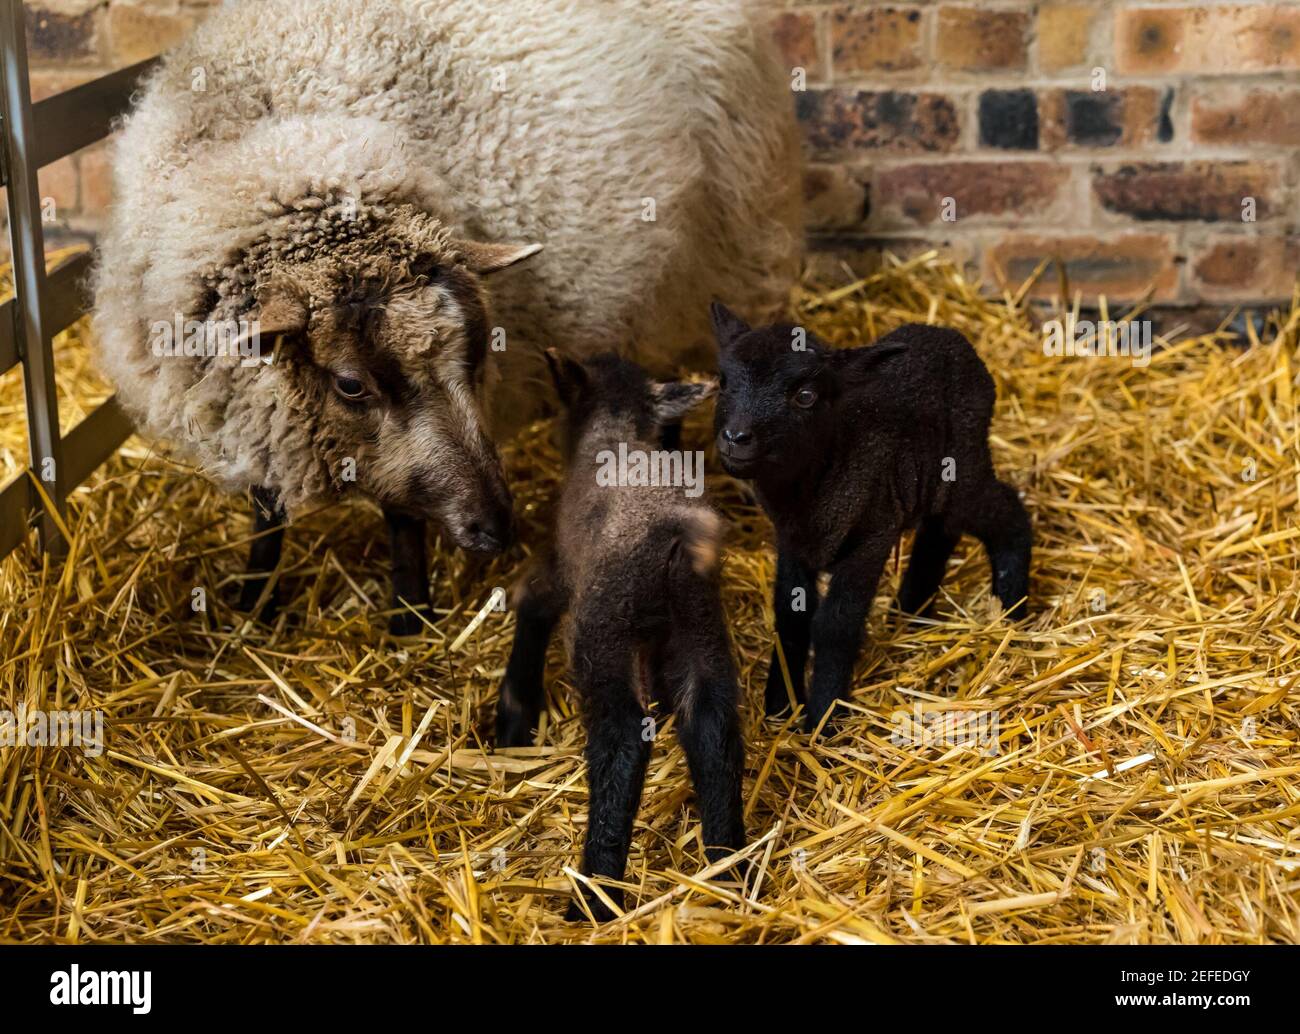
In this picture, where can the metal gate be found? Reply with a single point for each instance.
(45, 303)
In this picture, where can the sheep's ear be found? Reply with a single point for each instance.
(727, 326)
(674, 399)
(483, 258)
(568, 374)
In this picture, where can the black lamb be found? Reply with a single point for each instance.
(636, 566)
(847, 449)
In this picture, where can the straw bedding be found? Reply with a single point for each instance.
(317, 781)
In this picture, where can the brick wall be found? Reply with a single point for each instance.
(1145, 144)
(977, 128)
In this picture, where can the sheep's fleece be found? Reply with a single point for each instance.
(559, 122)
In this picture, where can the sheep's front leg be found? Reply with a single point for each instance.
(838, 627)
(263, 555)
(794, 602)
(618, 749)
(406, 536)
(538, 607)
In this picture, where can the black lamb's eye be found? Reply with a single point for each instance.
(350, 388)
(722, 382)
(805, 398)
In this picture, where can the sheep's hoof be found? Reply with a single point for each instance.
(406, 623)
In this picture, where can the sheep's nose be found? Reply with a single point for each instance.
(733, 437)
(489, 534)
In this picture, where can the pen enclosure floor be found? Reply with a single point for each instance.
(318, 781)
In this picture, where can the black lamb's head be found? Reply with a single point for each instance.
(777, 389)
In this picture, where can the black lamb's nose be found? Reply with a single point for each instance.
(737, 437)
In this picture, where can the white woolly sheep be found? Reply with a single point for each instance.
(327, 167)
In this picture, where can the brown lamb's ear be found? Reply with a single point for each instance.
(483, 258)
(568, 374)
(727, 326)
(674, 399)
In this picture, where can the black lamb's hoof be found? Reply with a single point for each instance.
(827, 718)
(915, 606)
(601, 912)
(249, 593)
(513, 731)
(406, 623)
(776, 698)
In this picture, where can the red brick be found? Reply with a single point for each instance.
(1065, 36)
(1132, 116)
(846, 121)
(1187, 191)
(62, 36)
(880, 39)
(1240, 268)
(796, 37)
(972, 39)
(58, 181)
(1235, 116)
(45, 83)
(1120, 267)
(912, 195)
(136, 33)
(836, 197)
(1207, 40)
(835, 259)
(96, 180)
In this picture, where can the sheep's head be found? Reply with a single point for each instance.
(382, 337)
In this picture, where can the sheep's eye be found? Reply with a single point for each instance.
(350, 388)
(805, 398)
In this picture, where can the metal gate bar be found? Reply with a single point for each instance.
(43, 305)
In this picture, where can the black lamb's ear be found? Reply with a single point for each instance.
(568, 374)
(727, 326)
(674, 399)
(884, 349)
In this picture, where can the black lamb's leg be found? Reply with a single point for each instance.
(538, 607)
(406, 536)
(698, 666)
(263, 555)
(1000, 520)
(618, 750)
(794, 602)
(931, 549)
(839, 625)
